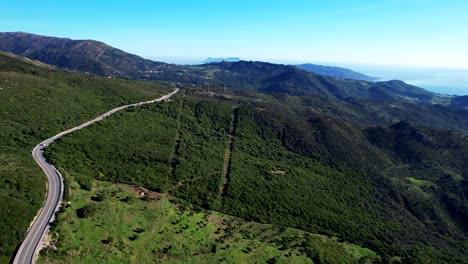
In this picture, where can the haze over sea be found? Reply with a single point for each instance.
(453, 81)
(435, 79)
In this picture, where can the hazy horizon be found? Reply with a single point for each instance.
(453, 81)
(409, 32)
(423, 34)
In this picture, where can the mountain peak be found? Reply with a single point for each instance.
(22, 34)
(88, 56)
(336, 72)
(230, 59)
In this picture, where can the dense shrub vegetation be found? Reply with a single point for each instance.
(158, 229)
(38, 102)
(318, 174)
(339, 166)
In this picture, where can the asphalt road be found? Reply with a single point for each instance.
(32, 241)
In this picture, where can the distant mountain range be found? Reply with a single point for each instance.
(230, 59)
(94, 57)
(377, 164)
(336, 72)
(87, 56)
(330, 71)
(277, 78)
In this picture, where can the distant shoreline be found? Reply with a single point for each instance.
(438, 80)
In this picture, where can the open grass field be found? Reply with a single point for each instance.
(128, 227)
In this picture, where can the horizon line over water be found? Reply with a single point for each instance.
(438, 80)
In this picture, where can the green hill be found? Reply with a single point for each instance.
(336, 72)
(38, 102)
(378, 165)
(87, 56)
(259, 159)
(94, 57)
(160, 228)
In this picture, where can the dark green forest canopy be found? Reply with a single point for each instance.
(290, 166)
(307, 156)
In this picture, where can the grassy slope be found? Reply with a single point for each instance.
(38, 102)
(164, 229)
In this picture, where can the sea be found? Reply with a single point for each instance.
(439, 80)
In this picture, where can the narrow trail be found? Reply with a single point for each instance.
(223, 188)
(33, 241)
(176, 152)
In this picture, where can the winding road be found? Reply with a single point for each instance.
(32, 241)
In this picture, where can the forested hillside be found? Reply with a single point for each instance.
(380, 166)
(38, 102)
(337, 72)
(268, 162)
(94, 57)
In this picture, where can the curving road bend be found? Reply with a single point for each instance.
(32, 241)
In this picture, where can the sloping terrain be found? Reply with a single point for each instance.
(87, 56)
(460, 101)
(374, 164)
(320, 174)
(129, 224)
(93, 57)
(277, 78)
(336, 72)
(38, 102)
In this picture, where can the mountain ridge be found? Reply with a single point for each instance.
(229, 59)
(87, 56)
(94, 57)
(353, 167)
(337, 72)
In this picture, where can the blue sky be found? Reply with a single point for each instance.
(409, 32)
